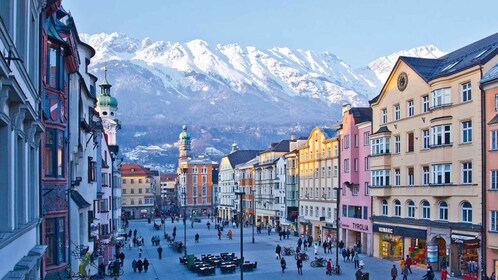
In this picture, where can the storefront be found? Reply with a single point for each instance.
(329, 232)
(465, 256)
(356, 235)
(396, 242)
(305, 228)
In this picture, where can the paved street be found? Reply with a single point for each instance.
(262, 251)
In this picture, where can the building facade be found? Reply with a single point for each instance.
(167, 192)
(318, 183)
(426, 159)
(137, 191)
(355, 202)
(20, 143)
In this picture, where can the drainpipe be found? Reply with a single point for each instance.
(483, 181)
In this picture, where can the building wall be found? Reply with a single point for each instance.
(136, 183)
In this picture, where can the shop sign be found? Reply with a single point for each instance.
(360, 227)
(461, 239)
(386, 230)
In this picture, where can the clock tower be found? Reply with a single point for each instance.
(107, 107)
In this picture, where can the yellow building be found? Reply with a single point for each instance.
(426, 159)
(318, 176)
(137, 191)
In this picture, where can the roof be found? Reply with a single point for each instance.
(79, 200)
(242, 156)
(133, 169)
(491, 75)
(168, 177)
(329, 132)
(477, 53)
(282, 146)
(361, 114)
(382, 129)
(493, 120)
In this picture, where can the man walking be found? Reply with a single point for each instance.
(278, 249)
(394, 272)
(408, 263)
(299, 264)
(197, 238)
(160, 251)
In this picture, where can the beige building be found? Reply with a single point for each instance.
(426, 160)
(138, 187)
(318, 176)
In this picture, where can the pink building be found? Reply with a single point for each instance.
(355, 202)
(489, 84)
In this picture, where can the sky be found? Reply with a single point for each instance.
(358, 31)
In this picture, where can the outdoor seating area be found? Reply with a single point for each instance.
(207, 264)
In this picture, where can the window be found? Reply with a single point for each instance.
(493, 223)
(466, 212)
(54, 153)
(356, 189)
(54, 68)
(139, 190)
(397, 113)
(344, 210)
(335, 171)
(132, 201)
(494, 140)
(441, 97)
(425, 103)
(425, 139)
(367, 163)
(410, 209)
(425, 175)
(356, 164)
(356, 140)
(329, 172)
(443, 211)
(381, 146)
(426, 210)
(397, 208)
(467, 173)
(466, 132)
(367, 189)
(140, 181)
(329, 213)
(366, 137)
(441, 135)
(365, 213)
(441, 174)
(384, 116)
(317, 213)
(132, 191)
(411, 142)
(397, 177)
(311, 211)
(411, 109)
(466, 92)
(397, 144)
(132, 181)
(380, 178)
(385, 208)
(496, 102)
(346, 165)
(306, 213)
(354, 212)
(493, 178)
(56, 241)
(124, 181)
(123, 191)
(346, 142)
(323, 171)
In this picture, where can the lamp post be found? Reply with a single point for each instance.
(184, 196)
(253, 212)
(241, 194)
(338, 225)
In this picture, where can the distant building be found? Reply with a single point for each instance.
(137, 191)
(167, 192)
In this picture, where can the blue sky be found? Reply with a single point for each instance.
(357, 31)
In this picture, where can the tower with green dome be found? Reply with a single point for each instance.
(183, 146)
(107, 107)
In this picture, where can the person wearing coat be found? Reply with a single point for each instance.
(444, 273)
(329, 267)
(394, 272)
(283, 264)
(134, 265)
(316, 248)
(299, 264)
(140, 265)
(146, 264)
(404, 272)
(160, 251)
(121, 258)
(278, 249)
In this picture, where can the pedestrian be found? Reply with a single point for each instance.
(283, 264)
(269, 230)
(130, 244)
(444, 273)
(343, 255)
(140, 252)
(278, 249)
(135, 233)
(356, 260)
(348, 254)
(430, 274)
(352, 253)
(316, 248)
(146, 264)
(121, 258)
(341, 245)
(299, 243)
(329, 246)
(129, 233)
(197, 238)
(299, 264)
(362, 264)
(305, 243)
(143, 241)
(153, 240)
(329, 267)
(219, 235)
(359, 274)
(404, 272)
(134, 265)
(160, 251)
(394, 272)
(140, 265)
(408, 263)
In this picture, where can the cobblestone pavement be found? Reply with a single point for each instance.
(262, 251)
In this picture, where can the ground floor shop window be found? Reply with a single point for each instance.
(417, 250)
(465, 258)
(391, 246)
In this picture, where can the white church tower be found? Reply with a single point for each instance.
(107, 107)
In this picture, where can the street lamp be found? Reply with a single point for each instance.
(338, 224)
(253, 212)
(184, 196)
(241, 194)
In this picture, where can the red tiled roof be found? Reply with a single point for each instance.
(126, 169)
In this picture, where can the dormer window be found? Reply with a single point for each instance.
(132, 170)
(450, 66)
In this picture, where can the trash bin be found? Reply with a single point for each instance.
(365, 276)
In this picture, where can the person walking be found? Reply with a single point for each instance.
(299, 264)
(283, 264)
(278, 249)
(305, 243)
(394, 272)
(359, 274)
(348, 254)
(444, 273)
(408, 263)
(404, 272)
(146, 265)
(140, 265)
(356, 260)
(197, 238)
(219, 235)
(160, 251)
(140, 252)
(316, 248)
(329, 267)
(429, 275)
(299, 243)
(325, 247)
(121, 258)
(344, 255)
(134, 265)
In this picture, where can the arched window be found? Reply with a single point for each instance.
(384, 208)
(443, 211)
(411, 209)
(426, 210)
(466, 212)
(397, 208)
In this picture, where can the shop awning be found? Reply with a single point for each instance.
(463, 237)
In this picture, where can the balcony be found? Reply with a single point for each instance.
(439, 191)
(382, 161)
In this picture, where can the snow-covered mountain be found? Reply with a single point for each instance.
(161, 84)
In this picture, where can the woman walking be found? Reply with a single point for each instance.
(283, 264)
(299, 264)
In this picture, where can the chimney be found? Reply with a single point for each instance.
(345, 108)
(234, 148)
(293, 136)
